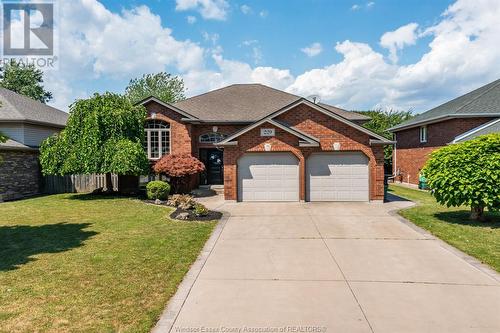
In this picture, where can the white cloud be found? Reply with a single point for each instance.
(209, 9)
(312, 50)
(461, 58)
(212, 38)
(358, 78)
(96, 43)
(191, 19)
(246, 9)
(368, 5)
(256, 54)
(398, 39)
(250, 42)
(263, 13)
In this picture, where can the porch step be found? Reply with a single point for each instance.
(219, 189)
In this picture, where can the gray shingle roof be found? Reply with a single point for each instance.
(484, 101)
(16, 107)
(246, 103)
(488, 128)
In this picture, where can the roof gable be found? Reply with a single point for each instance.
(488, 128)
(154, 99)
(317, 107)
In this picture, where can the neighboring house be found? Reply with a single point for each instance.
(264, 144)
(458, 120)
(27, 123)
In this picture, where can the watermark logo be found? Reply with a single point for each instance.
(28, 32)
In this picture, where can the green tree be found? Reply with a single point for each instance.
(164, 86)
(467, 174)
(382, 120)
(104, 134)
(24, 79)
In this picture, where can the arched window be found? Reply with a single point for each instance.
(212, 137)
(157, 138)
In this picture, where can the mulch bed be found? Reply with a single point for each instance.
(212, 215)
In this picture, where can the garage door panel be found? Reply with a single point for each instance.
(337, 177)
(268, 177)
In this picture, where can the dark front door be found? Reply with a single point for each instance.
(214, 164)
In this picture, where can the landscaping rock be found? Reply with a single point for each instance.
(158, 202)
(183, 216)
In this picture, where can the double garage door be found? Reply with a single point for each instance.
(329, 177)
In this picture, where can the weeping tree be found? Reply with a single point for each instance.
(467, 174)
(104, 135)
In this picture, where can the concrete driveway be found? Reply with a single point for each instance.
(331, 267)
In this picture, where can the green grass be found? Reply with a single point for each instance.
(478, 239)
(80, 263)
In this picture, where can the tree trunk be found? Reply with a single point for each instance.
(108, 183)
(477, 213)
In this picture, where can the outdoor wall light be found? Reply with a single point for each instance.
(215, 129)
(153, 115)
(267, 147)
(336, 146)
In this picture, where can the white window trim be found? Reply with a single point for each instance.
(423, 134)
(159, 130)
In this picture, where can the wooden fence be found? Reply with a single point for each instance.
(76, 183)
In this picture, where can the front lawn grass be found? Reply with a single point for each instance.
(82, 263)
(478, 239)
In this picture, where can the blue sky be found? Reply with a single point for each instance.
(354, 54)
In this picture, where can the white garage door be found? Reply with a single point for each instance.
(268, 177)
(337, 177)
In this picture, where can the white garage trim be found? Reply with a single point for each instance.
(268, 177)
(337, 176)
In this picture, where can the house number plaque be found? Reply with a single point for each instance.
(267, 132)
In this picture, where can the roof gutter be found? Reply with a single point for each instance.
(441, 118)
(31, 122)
(215, 122)
(381, 142)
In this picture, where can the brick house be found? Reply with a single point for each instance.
(26, 123)
(263, 144)
(465, 117)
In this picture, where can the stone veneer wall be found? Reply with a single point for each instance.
(19, 174)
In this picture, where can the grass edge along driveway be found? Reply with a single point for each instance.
(75, 262)
(478, 239)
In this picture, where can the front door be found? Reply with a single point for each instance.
(214, 164)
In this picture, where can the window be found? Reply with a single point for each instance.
(212, 137)
(423, 134)
(157, 139)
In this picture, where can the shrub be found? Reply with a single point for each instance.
(178, 167)
(200, 210)
(467, 174)
(182, 201)
(157, 189)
